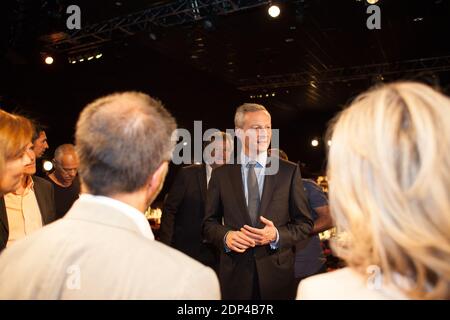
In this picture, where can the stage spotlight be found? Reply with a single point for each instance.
(98, 56)
(315, 142)
(372, 1)
(274, 11)
(47, 165)
(48, 60)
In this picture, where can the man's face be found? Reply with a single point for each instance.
(30, 168)
(66, 168)
(220, 152)
(257, 131)
(40, 144)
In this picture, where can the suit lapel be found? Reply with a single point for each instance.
(202, 181)
(41, 203)
(238, 189)
(268, 189)
(3, 214)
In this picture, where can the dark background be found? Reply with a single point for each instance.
(199, 73)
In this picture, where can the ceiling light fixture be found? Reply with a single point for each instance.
(274, 11)
(48, 60)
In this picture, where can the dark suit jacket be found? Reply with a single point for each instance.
(283, 201)
(183, 214)
(46, 202)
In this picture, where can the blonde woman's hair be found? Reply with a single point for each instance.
(15, 134)
(389, 173)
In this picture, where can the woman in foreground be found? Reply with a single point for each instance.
(389, 173)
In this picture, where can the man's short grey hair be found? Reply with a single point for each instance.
(218, 135)
(243, 109)
(64, 149)
(121, 140)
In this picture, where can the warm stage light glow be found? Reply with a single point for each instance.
(274, 11)
(48, 60)
(372, 1)
(47, 165)
(315, 143)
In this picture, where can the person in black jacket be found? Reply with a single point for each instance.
(255, 215)
(184, 207)
(29, 207)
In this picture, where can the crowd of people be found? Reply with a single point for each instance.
(34, 201)
(229, 229)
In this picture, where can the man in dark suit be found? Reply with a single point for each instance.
(184, 207)
(28, 208)
(255, 215)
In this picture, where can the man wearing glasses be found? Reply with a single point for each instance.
(64, 178)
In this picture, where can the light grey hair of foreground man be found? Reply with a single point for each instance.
(104, 247)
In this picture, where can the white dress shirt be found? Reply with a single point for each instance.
(24, 215)
(208, 173)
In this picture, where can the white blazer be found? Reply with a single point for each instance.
(97, 252)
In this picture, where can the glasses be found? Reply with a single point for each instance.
(70, 170)
(66, 170)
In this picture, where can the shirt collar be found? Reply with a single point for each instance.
(30, 185)
(208, 169)
(131, 212)
(261, 159)
(28, 188)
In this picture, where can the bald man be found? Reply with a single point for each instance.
(64, 178)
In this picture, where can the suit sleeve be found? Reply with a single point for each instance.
(301, 222)
(171, 206)
(52, 205)
(213, 229)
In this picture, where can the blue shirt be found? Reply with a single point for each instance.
(309, 256)
(260, 168)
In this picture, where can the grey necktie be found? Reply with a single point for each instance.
(253, 193)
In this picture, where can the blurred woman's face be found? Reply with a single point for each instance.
(10, 179)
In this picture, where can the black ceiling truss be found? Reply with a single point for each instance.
(374, 71)
(172, 14)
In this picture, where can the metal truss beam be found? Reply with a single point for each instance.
(175, 13)
(436, 64)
